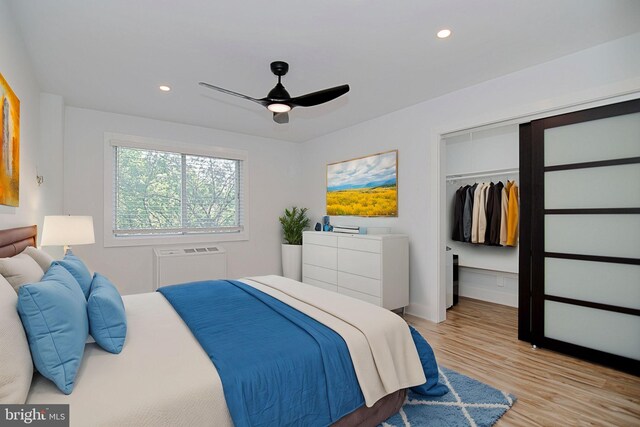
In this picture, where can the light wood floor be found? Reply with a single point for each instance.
(480, 339)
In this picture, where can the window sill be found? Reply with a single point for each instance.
(110, 241)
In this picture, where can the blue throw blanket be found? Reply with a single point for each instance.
(278, 366)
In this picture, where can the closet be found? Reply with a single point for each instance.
(487, 270)
(575, 271)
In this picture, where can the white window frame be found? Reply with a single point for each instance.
(112, 140)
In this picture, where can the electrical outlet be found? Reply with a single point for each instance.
(500, 281)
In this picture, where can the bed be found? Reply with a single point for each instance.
(164, 377)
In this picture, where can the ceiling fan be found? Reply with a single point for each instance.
(279, 102)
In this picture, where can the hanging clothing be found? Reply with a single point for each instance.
(496, 214)
(486, 213)
(467, 215)
(503, 213)
(482, 214)
(512, 216)
(463, 200)
(457, 215)
(489, 212)
(475, 221)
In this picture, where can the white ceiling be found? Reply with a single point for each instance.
(111, 55)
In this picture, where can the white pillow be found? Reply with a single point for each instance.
(19, 270)
(16, 367)
(43, 259)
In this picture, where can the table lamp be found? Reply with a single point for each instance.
(67, 230)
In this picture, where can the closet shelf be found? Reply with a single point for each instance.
(495, 172)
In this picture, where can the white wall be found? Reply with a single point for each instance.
(494, 286)
(16, 68)
(274, 183)
(596, 73)
(51, 164)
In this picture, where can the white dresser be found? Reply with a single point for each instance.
(373, 268)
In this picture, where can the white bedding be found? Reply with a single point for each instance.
(163, 377)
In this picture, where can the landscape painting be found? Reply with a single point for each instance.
(366, 186)
(9, 145)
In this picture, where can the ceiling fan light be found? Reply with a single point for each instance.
(278, 108)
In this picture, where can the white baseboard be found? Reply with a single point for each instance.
(483, 294)
(420, 311)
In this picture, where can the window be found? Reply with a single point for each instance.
(160, 191)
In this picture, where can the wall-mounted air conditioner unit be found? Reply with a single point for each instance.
(188, 264)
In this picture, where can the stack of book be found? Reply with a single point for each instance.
(346, 229)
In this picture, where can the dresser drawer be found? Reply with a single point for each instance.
(359, 283)
(360, 296)
(359, 244)
(320, 284)
(323, 239)
(320, 273)
(321, 256)
(361, 263)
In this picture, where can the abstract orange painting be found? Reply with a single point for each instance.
(9, 145)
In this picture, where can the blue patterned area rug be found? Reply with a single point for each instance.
(468, 403)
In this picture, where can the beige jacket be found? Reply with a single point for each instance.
(482, 213)
(475, 213)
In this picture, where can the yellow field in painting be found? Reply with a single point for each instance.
(363, 202)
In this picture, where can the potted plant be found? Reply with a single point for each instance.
(293, 222)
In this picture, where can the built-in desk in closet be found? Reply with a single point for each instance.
(372, 268)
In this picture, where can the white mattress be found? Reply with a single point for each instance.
(162, 376)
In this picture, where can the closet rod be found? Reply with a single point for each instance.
(482, 174)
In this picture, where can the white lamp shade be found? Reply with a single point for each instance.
(66, 230)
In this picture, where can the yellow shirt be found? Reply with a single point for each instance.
(512, 215)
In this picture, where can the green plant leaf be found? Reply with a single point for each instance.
(293, 223)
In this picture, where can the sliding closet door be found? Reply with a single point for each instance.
(585, 234)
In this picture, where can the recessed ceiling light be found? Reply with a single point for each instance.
(443, 34)
(164, 88)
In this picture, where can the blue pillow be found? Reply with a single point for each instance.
(107, 318)
(54, 316)
(430, 367)
(80, 272)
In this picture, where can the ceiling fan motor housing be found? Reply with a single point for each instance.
(279, 93)
(279, 68)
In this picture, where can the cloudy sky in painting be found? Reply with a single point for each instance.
(357, 173)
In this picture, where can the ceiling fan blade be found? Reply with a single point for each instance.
(281, 118)
(230, 92)
(320, 97)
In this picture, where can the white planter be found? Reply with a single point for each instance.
(292, 261)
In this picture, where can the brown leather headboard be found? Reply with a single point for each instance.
(14, 240)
